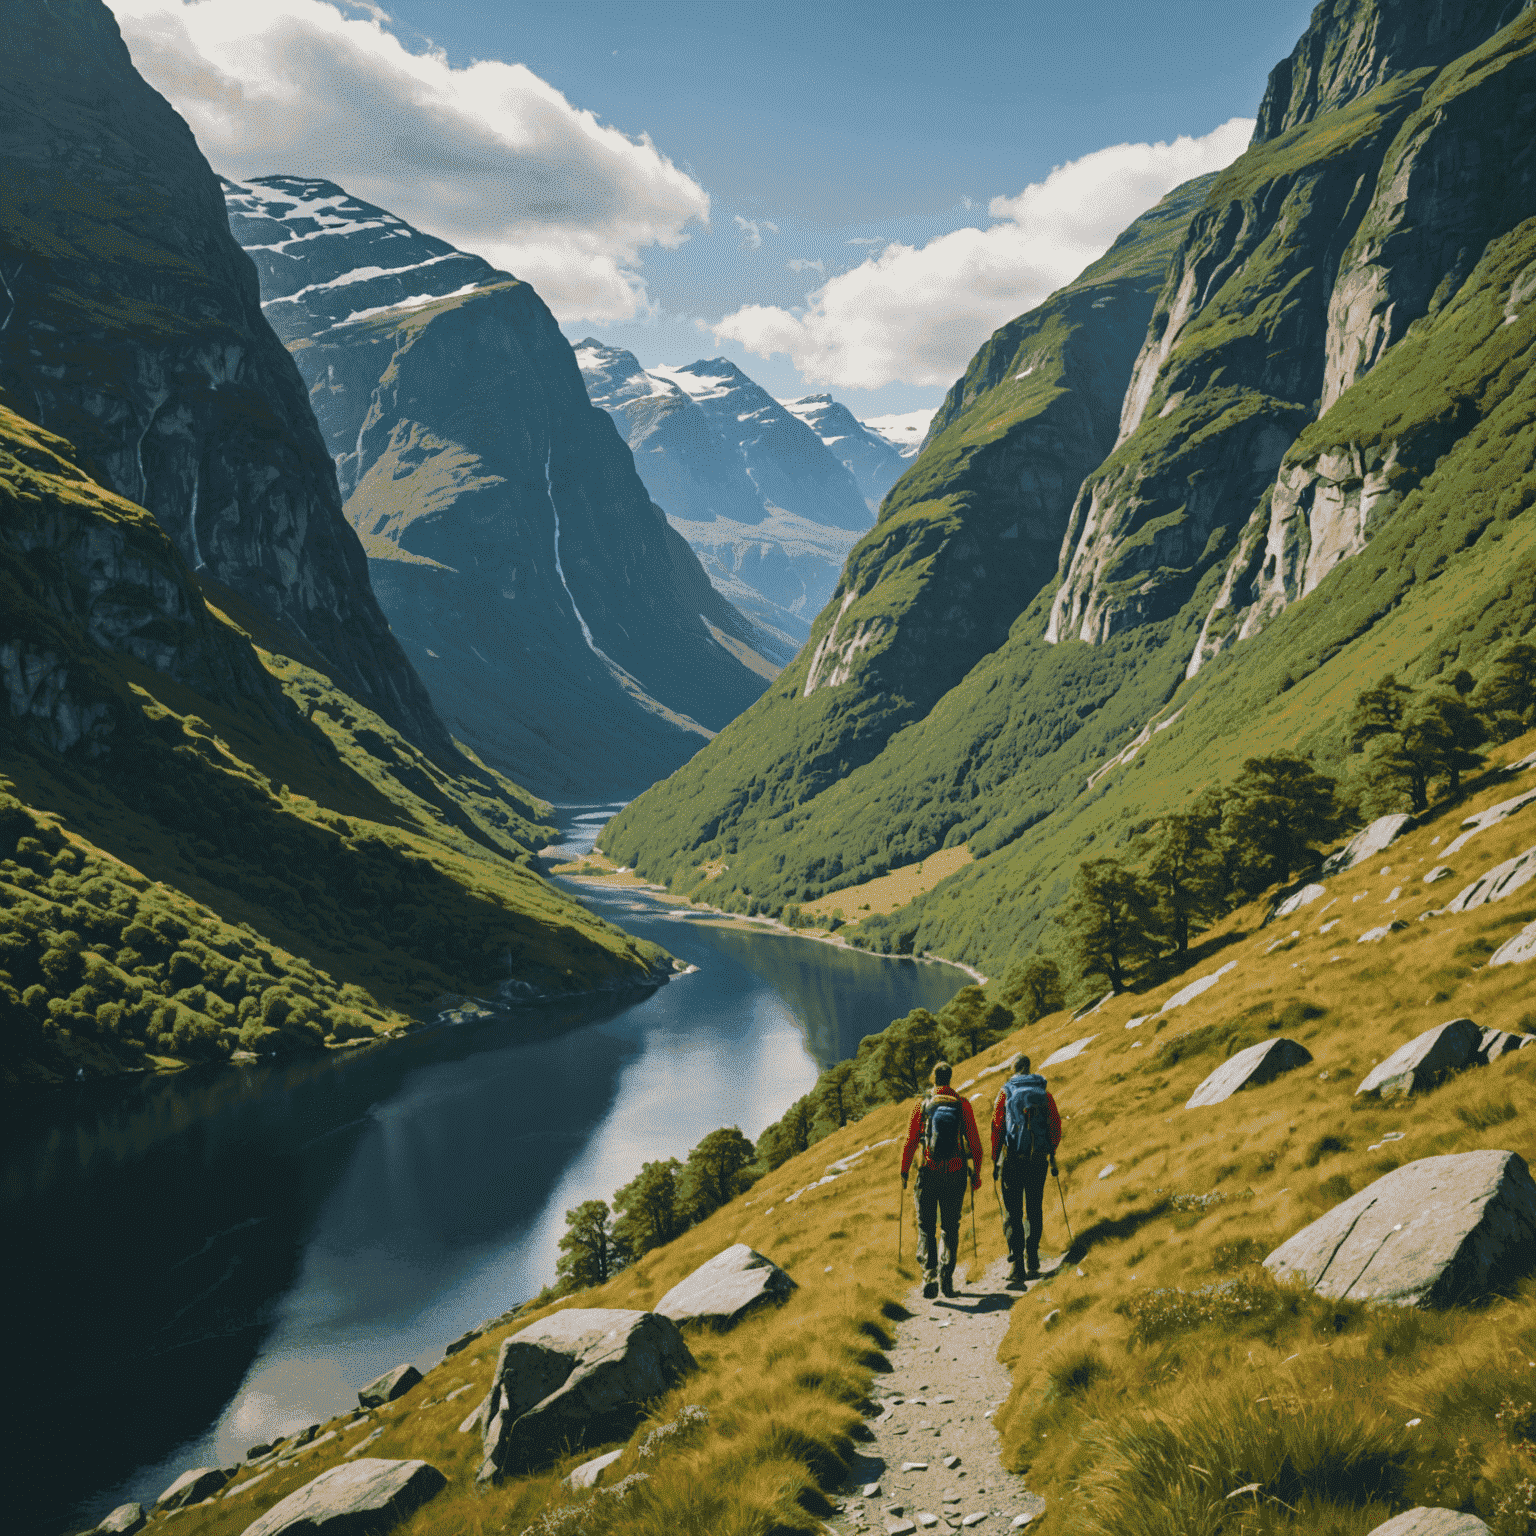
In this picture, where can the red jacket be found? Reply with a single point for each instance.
(1000, 1116)
(915, 1137)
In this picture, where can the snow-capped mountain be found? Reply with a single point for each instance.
(871, 458)
(906, 431)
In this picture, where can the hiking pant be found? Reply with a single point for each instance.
(1023, 1188)
(938, 1199)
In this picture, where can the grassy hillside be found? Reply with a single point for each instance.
(207, 846)
(1133, 1407)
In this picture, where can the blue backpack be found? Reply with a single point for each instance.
(1027, 1129)
(943, 1128)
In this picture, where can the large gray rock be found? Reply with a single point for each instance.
(123, 1521)
(723, 1290)
(1251, 1068)
(1521, 947)
(1497, 883)
(193, 1487)
(389, 1386)
(577, 1377)
(1425, 1060)
(362, 1498)
(588, 1473)
(1432, 1522)
(1376, 838)
(1500, 1042)
(1441, 1230)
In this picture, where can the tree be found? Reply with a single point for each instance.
(1183, 873)
(1506, 697)
(1378, 711)
(894, 1065)
(787, 1136)
(589, 1251)
(649, 1212)
(1449, 731)
(712, 1173)
(972, 1022)
(1279, 809)
(1032, 988)
(1206, 812)
(837, 1098)
(1107, 916)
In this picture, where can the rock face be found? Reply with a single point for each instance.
(1500, 1042)
(193, 1487)
(1425, 1060)
(872, 459)
(510, 541)
(1431, 1522)
(1439, 1231)
(135, 332)
(722, 1291)
(389, 1386)
(363, 1498)
(1366, 843)
(1500, 881)
(578, 1377)
(1251, 1068)
(1518, 949)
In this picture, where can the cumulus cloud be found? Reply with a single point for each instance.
(488, 156)
(916, 314)
(752, 231)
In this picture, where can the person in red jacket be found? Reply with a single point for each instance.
(1021, 1154)
(943, 1134)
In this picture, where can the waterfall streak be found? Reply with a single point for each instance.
(549, 486)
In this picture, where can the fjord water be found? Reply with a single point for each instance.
(217, 1258)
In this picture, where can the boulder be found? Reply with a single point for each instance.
(577, 1377)
(1067, 1052)
(1441, 1230)
(193, 1487)
(389, 1386)
(1432, 1522)
(1195, 988)
(463, 1341)
(123, 1521)
(1425, 1060)
(1500, 881)
(1297, 900)
(1489, 818)
(587, 1474)
(722, 1291)
(1439, 872)
(1252, 1068)
(1500, 1042)
(1521, 947)
(363, 1498)
(1366, 842)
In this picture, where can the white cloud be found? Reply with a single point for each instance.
(488, 156)
(916, 314)
(752, 231)
(806, 264)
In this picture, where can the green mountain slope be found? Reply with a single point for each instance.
(1409, 494)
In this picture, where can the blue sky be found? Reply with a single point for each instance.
(762, 155)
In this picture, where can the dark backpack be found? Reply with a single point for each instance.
(1028, 1124)
(943, 1128)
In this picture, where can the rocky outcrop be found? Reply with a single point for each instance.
(1516, 950)
(1367, 843)
(193, 1487)
(1482, 820)
(722, 1291)
(1250, 1068)
(1431, 1522)
(1497, 883)
(389, 1386)
(134, 331)
(363, 1498)
(577, 1377)
(589, 1472)
(1439, 1231)
(123, 1521)
(1424, 1061)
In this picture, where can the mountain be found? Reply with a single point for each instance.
(230, 819)
(1149, 537)
(770, 509)
(564, 630)
(871, 458)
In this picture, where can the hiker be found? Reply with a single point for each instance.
(1026, 1131)
(945, 1128)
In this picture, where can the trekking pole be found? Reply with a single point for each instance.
(1068, 1224)
(901, 1201)
(975, 1256)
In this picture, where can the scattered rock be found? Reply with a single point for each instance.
(871, 1490)
(1087, 1008)
(1367, 842)
(193, 1487)
(1521, 947)
(974, 1518)
(927, 1520)
(1051, 1318)
(1106, 1170)
(899, 1528)
(256, 1452)
(576, 1377)
(388, 1387)
(463, 1341)
(1497, 883)
(1425, 1060)
(587, 1474)
(369, 1496)
(1252, 1068)
(123, 1521)
(951, 1461)
(1491, 817)
(245, 1487)
(1034, 1507)
(1432, 1522)
(1376, 935)
(722, 1291)
(362, 1444)
(1067, 1052)
(914, 1466)
(1436, 1231)
(1299, 899)
(1500, 1042)
(308, 1433)
(1439, 872)
(1195, 988)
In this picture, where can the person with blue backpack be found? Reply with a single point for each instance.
(1026, 1130)
(943, 1134)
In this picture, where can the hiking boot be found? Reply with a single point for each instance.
(1033, 1271)
(947, 1284)
(1016, 1275)
(930, 1289)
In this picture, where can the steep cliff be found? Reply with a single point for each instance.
(133, 329)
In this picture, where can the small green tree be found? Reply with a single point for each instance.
(1451, 731)
(1185, 874)
(589, 1250)
(971, 1022)
(894, 1065)
(788, 1135)
(1107, 918)
(1506, 696)
(713, 1172)
(837, 1098)
(1032, 988)
(1378, 711)
(1279, 809)
(649, 1212)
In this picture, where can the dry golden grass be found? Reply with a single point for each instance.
(1133, 1412)
(888, 892)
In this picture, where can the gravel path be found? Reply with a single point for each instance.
(933, 1464)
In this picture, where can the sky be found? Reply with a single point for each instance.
(845, 197)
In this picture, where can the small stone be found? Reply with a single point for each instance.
(589, 1472)
(943, 1399)
(951, 1462)
(193, 1487)
(914, 1466)
(974, 1518)
(1106, 1170)
(895, 1509)
(1051, 1318)
(871, 1491)
(899, 1528)
(389, 1386)
(926, 1520)
(1432, 1522)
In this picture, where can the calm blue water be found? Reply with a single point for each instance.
(231, 1255)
